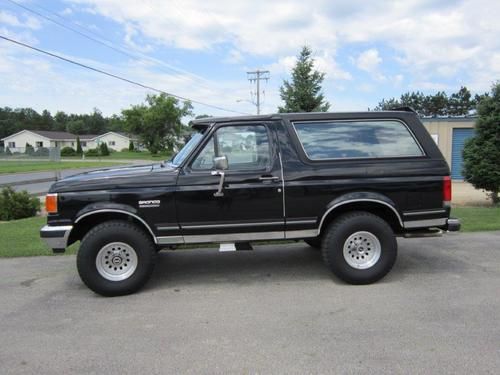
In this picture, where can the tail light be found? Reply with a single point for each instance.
(446, 190)
(51, 203)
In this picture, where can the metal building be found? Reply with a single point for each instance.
(450, 134)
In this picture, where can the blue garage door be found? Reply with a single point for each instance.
(457, 146)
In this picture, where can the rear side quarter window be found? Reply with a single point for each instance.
(356, 139)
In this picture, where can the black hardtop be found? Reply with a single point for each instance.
(402, 113)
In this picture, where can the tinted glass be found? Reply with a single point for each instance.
(246, 148)
(361, 139)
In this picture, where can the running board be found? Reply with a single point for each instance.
(238, 246)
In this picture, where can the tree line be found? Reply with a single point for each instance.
(157, 122)
(15, 120)
(460, 103)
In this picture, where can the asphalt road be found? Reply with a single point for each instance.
(274, 310)
(17, 180)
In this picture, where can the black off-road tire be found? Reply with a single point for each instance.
(363, 230)
(105, 235)
(314, 242)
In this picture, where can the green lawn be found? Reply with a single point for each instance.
(128, 155)
(21, 237)
(143, 155)
(38, 166)
(476, 219)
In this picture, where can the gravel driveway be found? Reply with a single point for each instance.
(274, 310)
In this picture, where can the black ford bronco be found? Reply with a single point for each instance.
(347, 183)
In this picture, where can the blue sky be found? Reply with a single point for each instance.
(202, 50)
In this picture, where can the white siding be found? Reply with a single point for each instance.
(24, 137)
(115, 141)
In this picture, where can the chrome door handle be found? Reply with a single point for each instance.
(269, 178)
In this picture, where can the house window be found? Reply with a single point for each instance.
(83, 144)
(111, 143)
(12, 144)
(39, 144)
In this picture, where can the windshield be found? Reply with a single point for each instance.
(186, 150)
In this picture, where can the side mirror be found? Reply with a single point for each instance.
(220, 163)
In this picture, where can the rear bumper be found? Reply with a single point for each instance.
(453, 225)
(56, 237)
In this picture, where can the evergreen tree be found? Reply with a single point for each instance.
(304, 92)
(79, 150)
(461, 102)
(482, 152)
(103, 147)
(131, 146)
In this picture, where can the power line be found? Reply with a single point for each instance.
(109, 43)
(117, 76)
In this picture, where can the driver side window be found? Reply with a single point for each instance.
(246, 148)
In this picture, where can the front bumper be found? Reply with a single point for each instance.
(56, 237)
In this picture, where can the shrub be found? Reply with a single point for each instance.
(92, 152)
(29, 150)
(104, 149)
(124, 150)
(131, 146)
(7, 151)
(41, 151)
(68, 151)
(17, 205)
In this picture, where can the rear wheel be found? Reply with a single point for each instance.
(116, 258)
(359, 247)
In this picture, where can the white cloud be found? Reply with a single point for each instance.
(66, 12)
(10, 19)
(423, 35)
(234, 57)
(369, 60)
(20, 71)
(323, 63)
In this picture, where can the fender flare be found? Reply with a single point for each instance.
(361, 196)
(106, 207)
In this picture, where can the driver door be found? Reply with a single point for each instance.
(250, 203)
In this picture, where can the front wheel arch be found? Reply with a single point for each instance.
(84, 224)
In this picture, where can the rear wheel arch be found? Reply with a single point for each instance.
(376, 206)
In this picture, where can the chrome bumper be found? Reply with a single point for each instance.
(453, 224)
(56, 237)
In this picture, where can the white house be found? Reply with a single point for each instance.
(41, 138)
(114, 140)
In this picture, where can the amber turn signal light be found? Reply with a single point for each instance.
(51, 203)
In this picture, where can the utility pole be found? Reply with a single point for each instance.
(257, 76)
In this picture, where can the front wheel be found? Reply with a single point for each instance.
(116, 258)
(359, 247)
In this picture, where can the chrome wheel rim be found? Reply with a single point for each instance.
(362, 250)
(116, 261)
